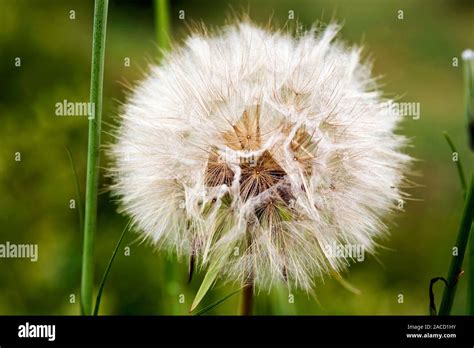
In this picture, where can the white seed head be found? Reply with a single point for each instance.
(257, 151)
(468, 54)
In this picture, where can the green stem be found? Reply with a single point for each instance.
(455, 269)
(90, 220)
(468, 68)
(470, 284)
(162, 23)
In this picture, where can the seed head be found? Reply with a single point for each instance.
(257, 151)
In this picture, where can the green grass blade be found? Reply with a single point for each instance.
(78, 189)
(455, 268)
(107, 270)
(93, 154)
(206, 284)
(468, 68)
(470, 277)
(218, 302)
(459, 166)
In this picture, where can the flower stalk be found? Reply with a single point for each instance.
(247, 300)
(468, 68)
(93, 154)
(162, 23)
(455, 269)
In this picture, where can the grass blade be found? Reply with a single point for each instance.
(218, 302)
(93, 154)
(468, 68)
(78, 189)
(455, 270)
(462, 178)
(470, 285)
(107, 270)
(206, 284)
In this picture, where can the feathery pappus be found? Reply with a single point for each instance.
(255, 151)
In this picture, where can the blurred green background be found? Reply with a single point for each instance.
(414, 56)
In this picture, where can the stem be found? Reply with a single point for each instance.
(455, 269)
(246, 300)
(162, 23)
(470, 284)
(468, 69)
(90, 221)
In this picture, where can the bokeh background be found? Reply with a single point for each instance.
(414, 56)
